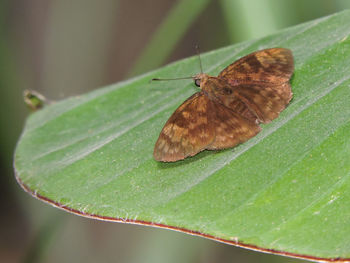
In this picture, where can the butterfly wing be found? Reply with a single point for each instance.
(266, 101)
(198, 124)
(274, 66)
(256, 101)
(226, 112)
(260, 81)
(230, 128)
(187, 131)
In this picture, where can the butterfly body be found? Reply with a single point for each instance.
(228, 109)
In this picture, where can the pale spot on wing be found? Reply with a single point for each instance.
(161, 143)
(186, 114)
(177, 133)
(192, 125)
(203, 134)
(166, 147)
(263, 61)
(167, 129)
(193, 140)
(223, 125)
(202, 120)
(202, 107)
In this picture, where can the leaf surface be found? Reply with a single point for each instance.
(285, 191)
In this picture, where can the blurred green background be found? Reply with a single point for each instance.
(65, 48)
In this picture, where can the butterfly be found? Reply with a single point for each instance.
(228, 109)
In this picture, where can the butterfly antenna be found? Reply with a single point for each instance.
(159, 79)
(192, 77)
(199, 57)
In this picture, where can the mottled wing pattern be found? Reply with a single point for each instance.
(260, 81)
(274, 66)
(187, 131)
(199, 124)
(266, 101)
(228, 109)
(231, 128)
(226, 94)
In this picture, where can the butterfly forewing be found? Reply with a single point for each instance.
(274, 66)
(199, 124)
(261, 81)
(187, 132)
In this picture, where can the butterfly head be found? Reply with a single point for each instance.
(200, 79)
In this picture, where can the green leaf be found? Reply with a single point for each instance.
(285, 191)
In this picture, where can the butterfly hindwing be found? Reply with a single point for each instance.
(266, 101)
(231, 128)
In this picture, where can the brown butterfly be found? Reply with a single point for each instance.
(229, 107)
